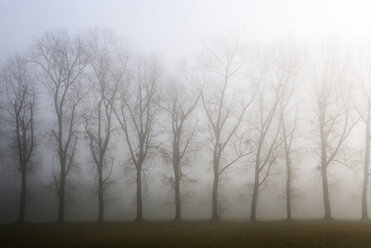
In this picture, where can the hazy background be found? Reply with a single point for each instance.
(175, 30)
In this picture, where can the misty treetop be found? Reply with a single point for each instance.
(88, 121)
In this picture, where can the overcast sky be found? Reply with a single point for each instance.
(174, 28)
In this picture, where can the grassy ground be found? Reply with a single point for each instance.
(188, 234)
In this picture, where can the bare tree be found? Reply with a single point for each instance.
(366, 118)
(334, 115)
(179, 104)
(62, 60)
(108, 65)
(220, 65)
(267, 140)
(288, 63)
(363, 106)
(277, 67)
(20, 105)
(288, 135)
(136, 115)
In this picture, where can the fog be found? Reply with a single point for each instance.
(248, 86)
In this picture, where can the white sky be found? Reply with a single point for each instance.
(174, 28)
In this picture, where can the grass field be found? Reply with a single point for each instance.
(189, 234)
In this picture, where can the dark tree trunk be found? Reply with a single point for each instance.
(22, 210)
(215, 214)
(288, 168)
(365, 169)
(364, 195)
(288, 191)
(324, 164)
(288, 180)
(177, 197)
(254, 200)
(326, 197)
(139, 195)
(61, 195)
(100, 195)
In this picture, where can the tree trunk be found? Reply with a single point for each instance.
(254, 200)
(288, 191)
(177, 197)
(100, 195)
(22, 208)
(139, 195)
(324, 164)
(215, 214)
(288, 168)
(326, 197)
(61, 195)
(288, 180)
(365, 168)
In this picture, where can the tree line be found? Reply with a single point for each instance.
(248, 105)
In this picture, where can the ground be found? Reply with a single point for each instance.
(189, 234)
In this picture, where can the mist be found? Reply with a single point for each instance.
(223, 110)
